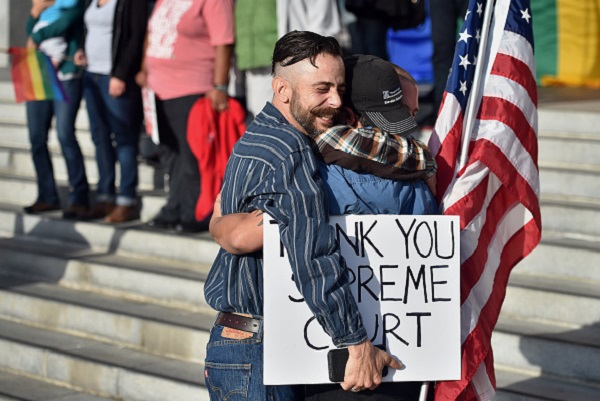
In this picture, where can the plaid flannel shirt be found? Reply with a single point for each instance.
(371, 150)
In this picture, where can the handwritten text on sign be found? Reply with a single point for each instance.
(404, 273)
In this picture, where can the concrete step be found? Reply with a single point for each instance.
(15, 114)
(99, 368)
(7, 93)
(17, 161)
(126, 239)
(21, 388)
(565, 179)
(573, 302)
(556, 118)
(16, 135)
(571, 214)
(544, 349)
(574, 215)
(583, 148)
(564, 255)
(154, 329)
(168, 282)
(519, 386)
(23, 191)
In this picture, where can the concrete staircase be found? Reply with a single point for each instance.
(92, 312)
(547, 341)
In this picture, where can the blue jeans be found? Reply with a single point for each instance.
(39, 118)
(115, 127)
(234, 371)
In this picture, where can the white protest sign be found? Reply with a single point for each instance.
(405, 275)
(150, 117)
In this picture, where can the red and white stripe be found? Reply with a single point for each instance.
(496, 196)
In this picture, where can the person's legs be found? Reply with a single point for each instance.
(94, 86)
(369, 36)
(66, 113)
(236, 367)
(185, 178)
(444, 15)
(168, 150)
(124, 119)
(39, 118)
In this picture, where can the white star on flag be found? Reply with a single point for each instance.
(464, 61)
(464, 36)
(525, 15)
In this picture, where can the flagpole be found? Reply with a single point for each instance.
(472, 102)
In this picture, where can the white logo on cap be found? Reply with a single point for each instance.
(390, 94)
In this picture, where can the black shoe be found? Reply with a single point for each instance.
(39, 207)
(161, 223)
(191, 227)
(100, 210)
(76, 212)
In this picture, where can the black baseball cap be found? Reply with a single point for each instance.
(373, 89)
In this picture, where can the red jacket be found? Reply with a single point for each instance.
(211, 137)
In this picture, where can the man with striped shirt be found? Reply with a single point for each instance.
(273, 168)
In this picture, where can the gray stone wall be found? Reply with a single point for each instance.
(13, 14)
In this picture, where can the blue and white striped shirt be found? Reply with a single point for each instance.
(273, 168)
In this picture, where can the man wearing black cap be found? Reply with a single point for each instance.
(367, 171)
(383, 100)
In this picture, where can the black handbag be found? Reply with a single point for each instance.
(397, 14)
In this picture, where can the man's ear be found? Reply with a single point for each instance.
(352, 117)
(281, 89)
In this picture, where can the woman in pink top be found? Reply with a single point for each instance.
(188, 52)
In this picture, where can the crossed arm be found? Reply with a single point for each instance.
(238, 233)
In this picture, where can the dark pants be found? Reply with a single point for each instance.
(385, 392)
(444, 17)
(369, 36)
(115, 127)
(39, 118)
(178, 160)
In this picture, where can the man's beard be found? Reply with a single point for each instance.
(307, 118)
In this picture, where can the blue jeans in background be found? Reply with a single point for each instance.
(115, 127)
(234, 371)
(39, 118)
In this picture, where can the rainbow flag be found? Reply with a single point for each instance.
(34, 77)
(567, 42)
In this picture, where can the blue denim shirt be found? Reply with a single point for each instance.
(360, 193)
(273, 168)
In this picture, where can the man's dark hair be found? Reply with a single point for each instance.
(296, 46)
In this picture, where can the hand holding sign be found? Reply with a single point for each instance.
(364, 367)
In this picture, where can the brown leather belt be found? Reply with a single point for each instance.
(238, 322)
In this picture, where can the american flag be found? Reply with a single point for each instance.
(496, 194)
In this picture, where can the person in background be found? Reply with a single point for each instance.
(112, 56)
(188, 54)
(369, 31)
(62, 26)
(260, 24)
(54, 47)
(445, 15)
(255, 37)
